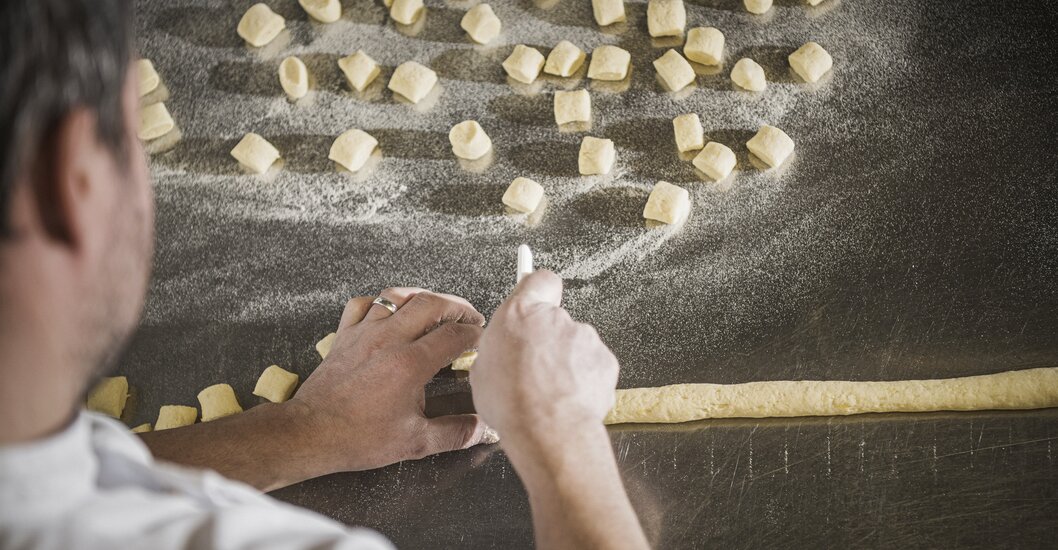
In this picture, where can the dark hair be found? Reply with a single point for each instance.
(57, 55)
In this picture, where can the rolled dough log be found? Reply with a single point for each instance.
(1024, 389)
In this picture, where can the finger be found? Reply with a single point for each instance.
(457, 431)
(539, 286)
(354, 311)
(398, 295)
(426, 311)
(442, 345)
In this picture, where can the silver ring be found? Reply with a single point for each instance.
(385, 303)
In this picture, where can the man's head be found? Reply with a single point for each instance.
(76, 209)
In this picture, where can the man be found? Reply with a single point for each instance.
(76, 216)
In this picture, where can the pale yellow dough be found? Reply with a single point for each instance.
(1024, 389)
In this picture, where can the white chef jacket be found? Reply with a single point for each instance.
(96, 486)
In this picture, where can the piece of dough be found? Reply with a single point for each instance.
(323, 347)
(811, 62)
(564, 59)
(704, 45)
(147, 77)
(674, 70)
(524, 64)
(108, 396)
(276, 384)
(609, 63)
(255, 153)
(814, 2)
(758, 7)
(667, 203)
(523, 195)
(688, 131)
(406, 12)
(174, 416)
(771, 145)
(572, 106)
(359, 69)
(142, 428)
(481, 24)
(413, 81)
(155, 122)
(218, 401)
(666, 18)
(716, 160)
(469, 140)
(260, 25)
(596, 156)
(324, 11)
(294, 77)
(749, 75)
(465, 361)
(352, 149)
(608, 12)
(1024, 389)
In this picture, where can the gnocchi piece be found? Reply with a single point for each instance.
(294, 77)
(481, 24)
(572, 106)
(465, 361)
(814, 2)
(324, 11)
(688, 131)
(323, 347)
(155, 122)
(716, 160)
(147, 77)
(565, 59)
(608, 12)
(108, 396)
(352, 149)
(359, 69)
(218, 401)
(674, 70)
(596, 156)
(260, 25)
(667, 203)
(406, 12)
(255, 153)
(609, 63)
(666, 18)
(413, 81)
(811, 62)
(523, 195)
(758, 7)
(704, 45)
(276, 384)
(142, 428)
(749, 75)
(524, 64)
(174, 416)
(771, 145)
(469, 140)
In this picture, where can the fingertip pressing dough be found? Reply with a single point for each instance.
(142, 428)
(674, 70)
(294, 77)
(324, 11)
(481, 24)
(147, 77)
(749, 75)
(1013, 390)
(108, 396)
(218, 401)
(464, 362)
(565, 59)
(609, 63)
(352, 149)
(359, 69)
(608, 12)
(469, 140)
(757, 7)
(572, 106)
(524, 64)
(406, 12)
(260, 25)
(523, 195)
(688, 131)
(771, 145)
(704, 45)
(276, 384)
(666, 18)
(413, 81)
(323, 347)
(596, 156)
(667, 203)
(174, 416)
(716, 160)
(811, 62)
(255, 153)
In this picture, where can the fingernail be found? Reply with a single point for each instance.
(490, 437)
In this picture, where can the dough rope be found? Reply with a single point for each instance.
(1024, 389)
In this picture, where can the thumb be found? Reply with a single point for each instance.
(457, 431)
(540, 286)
